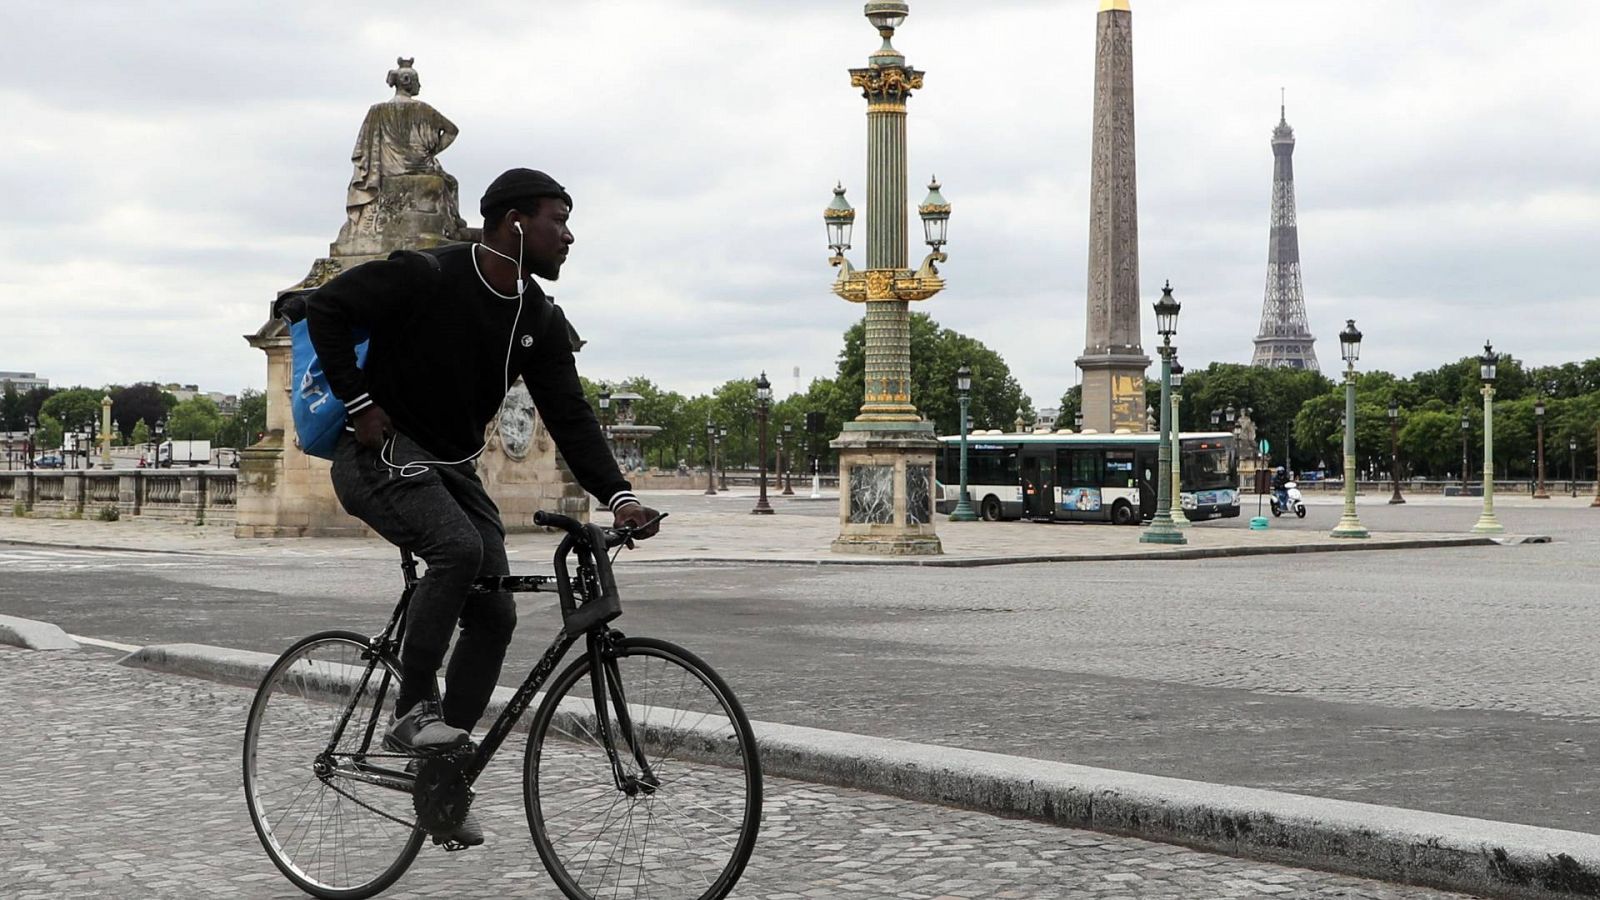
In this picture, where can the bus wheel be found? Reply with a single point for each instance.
(1122, 513)
(989, 510)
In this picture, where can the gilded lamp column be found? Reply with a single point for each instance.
(887, 454)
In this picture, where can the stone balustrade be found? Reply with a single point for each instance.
(200, 496)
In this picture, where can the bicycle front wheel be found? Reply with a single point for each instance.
(335, 816)
(677, 819)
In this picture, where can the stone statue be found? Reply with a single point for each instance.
(399, 196)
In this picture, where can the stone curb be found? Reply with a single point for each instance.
(1478, 856)
(967, 562)
(963, 562)
(33, 635)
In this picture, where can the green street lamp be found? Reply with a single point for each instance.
(1466, 431)
(1572, 466)
(1350, 347)
(763, 399)
(1161, 529)
(1394, 452)
(711, 458)
(1178, 518)
(963, 511)
(1487, 524)
(786, 458)
(1539, 492)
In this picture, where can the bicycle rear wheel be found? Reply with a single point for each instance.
(687, 827)
(337, 822)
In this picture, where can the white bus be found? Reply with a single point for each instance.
(1086, 477)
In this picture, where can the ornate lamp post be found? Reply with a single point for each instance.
(1572, 466)
(886, 454)
(1466, 431)
(711, 458)
(813, 426)
(1161, 529)
(963, 511)
(1178, 518)
(32, 425)
(763, 398)
(1394, 451)
(1487, 524)
(1539, 492)
(722, 457)
(1350, 346)
(786, 454)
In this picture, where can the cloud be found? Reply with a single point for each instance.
(171, 166)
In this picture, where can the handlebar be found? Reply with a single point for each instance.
(601, 601)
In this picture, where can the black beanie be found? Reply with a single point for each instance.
(520, 184)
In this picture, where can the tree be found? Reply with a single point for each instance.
(195, 419)
(74, 409)
(252, 416)
(12, 410)
(50, 433)
(145, 403)
(936, 354)
(141, 433)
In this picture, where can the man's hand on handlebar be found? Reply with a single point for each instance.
(640, 517)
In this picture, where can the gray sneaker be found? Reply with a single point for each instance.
(422, 729)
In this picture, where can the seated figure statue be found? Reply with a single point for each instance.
(399, 196)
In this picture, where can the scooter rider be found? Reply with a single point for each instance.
(1280, 487)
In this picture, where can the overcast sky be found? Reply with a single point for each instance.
(170, 165)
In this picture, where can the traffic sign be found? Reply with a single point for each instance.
(1264, 446)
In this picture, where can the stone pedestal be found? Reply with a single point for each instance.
(886, 477)
(413, 212)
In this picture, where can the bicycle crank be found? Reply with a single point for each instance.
(441, 794)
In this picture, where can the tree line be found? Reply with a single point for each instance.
(136, 410)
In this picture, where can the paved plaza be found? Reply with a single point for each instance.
(143, 799)
(1456, 680)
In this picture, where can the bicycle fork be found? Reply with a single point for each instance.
(606, 683)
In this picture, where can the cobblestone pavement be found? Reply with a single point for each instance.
(122, 783)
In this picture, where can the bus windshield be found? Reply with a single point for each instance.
(1206, 468)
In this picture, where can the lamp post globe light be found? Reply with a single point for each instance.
(1350, 347)
(711, 458)
(1487, 524)
(887, 453)
(1161, 529)
(1539, 492)
(1178, 518)
(1394, 451)
(786, 456)
(963, 511)
(763, 400)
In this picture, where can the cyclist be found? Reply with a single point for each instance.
(447, 342)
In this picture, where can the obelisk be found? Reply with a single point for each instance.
(1113, 363)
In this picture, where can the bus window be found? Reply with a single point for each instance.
(1118, 469)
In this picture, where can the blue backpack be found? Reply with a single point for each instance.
(319, 416)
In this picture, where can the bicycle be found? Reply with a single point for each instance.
(657, 748)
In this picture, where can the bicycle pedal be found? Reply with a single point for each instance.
(451, 846)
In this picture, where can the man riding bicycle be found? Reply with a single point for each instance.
(449, 336)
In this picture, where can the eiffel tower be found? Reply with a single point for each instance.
(1285, 339)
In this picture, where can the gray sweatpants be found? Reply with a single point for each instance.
(444, 516)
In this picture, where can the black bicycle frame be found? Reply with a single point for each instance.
(587, 604)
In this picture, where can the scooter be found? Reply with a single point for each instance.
(1292, 491)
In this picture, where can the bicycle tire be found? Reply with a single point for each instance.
(699, 743)
(291, 720)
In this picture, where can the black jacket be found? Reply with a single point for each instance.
(442, 356)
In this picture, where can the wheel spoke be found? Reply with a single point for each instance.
(687, 837)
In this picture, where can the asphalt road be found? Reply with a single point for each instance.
(1458, 681)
